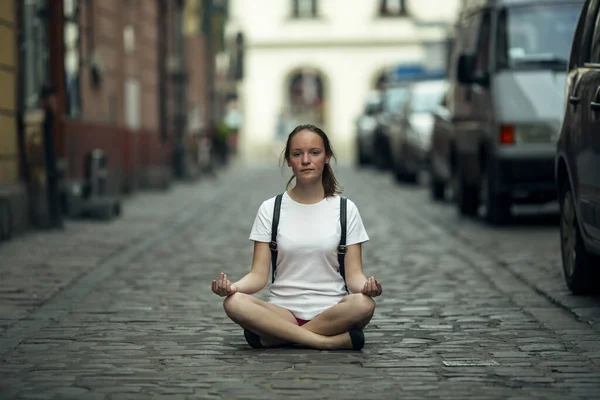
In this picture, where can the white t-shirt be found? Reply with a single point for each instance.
(307, 280)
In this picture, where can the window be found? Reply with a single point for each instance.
(576, 48)
(588, 30)
(392, 8)
(304, 9)
(595, 40)
(536, 36)
(72, 57)
(35, 58)
(482, 62)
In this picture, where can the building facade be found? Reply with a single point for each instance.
(13, 194)
(130, 78)
(314, 61)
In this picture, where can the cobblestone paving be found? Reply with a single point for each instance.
(454, 322)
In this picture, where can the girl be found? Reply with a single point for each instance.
(308, 304)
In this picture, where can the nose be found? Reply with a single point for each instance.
(305, 159)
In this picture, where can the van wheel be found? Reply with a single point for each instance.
(577, 262)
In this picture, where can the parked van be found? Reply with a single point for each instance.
(507, 99)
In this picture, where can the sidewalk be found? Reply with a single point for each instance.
(36, 266)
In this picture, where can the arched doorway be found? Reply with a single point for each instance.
(305, 98)
(304, 101)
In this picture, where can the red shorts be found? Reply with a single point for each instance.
(301, 321)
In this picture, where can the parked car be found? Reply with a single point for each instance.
(394, 96)
(507, 101)
(365, 129)
(578, 158)
(410, 142)
(442, 156)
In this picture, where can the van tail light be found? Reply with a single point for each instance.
(507, 134)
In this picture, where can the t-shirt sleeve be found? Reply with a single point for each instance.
(356, 232)
(261, 229)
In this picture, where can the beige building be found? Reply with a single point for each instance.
(315, 61)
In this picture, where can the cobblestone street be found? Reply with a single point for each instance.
(124, 310)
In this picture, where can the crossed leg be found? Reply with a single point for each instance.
(277, 326)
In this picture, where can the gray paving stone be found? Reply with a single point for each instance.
(152, 327)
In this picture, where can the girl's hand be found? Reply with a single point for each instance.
(372, 288)
(223, 287)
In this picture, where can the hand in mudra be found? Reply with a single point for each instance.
(372, 287)
(223, 286)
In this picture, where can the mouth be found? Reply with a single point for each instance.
(306, 170)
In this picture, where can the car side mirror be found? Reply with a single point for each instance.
(466, 67)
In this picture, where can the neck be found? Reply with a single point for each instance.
(308, 193)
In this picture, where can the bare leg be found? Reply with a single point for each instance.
(353, 310)
(244, 310)
(269, 341)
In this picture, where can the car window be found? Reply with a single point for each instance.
(395, 98)
(576, 45)
(471, 26)
(588, 31)
(465, 42)
(537, 35)
(426, 98)
(483, 47)
(595, 42)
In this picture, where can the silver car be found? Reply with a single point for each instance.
(410, 141)
(365, 129)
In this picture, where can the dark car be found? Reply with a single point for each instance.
(410, 139)
(578, 157)
(365, 129)
(442, 157)
(393, 98)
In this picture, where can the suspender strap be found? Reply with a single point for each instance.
(273, 243)
(342, 246)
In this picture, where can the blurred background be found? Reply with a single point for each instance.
(103, 98)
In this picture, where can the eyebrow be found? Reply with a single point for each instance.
(314, 148)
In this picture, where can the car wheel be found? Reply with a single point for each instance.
(577, 262)
(466, 196)
(361, 159)
(497, 207)
(437, 188)
(402, 174)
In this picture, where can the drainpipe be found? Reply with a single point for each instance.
(179, 77)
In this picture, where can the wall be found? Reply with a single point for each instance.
(121, 114)
(348, 77)
(9, 154)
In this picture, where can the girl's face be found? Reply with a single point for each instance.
(307, 156)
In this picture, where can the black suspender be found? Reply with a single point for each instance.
(341, 248)
(273, 244)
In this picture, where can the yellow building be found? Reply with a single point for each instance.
(9, 165)
(12, 192)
